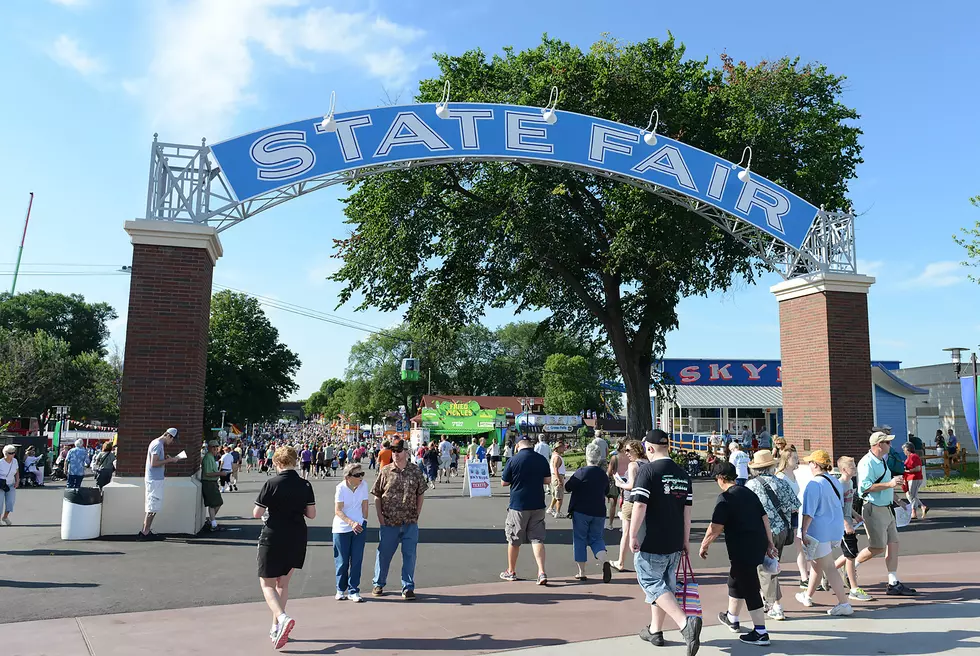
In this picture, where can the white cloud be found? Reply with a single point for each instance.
(67, 52)
(204, 56)
(870, 267)
(939, 274)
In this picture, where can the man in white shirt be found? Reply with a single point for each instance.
(227, 463)
(153, 480)
(542, 447)
(603, 446)
(445, 458)
(493, 455)
(739, 460)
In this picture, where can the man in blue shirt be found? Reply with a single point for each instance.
(876, 486)
(526, 474)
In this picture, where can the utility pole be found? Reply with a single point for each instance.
(430, 381)
(222, 420)
(20, 251)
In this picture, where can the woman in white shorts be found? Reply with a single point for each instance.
(821, 526)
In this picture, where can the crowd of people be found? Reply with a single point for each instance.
(769, 502)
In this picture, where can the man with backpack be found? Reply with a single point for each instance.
(876, 487)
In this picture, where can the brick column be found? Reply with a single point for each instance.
(166, 341)
(826, 363)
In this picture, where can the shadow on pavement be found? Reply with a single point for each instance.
(529, 598)
(34, 585)
(60, 552)
(840, 643)
(475, 642)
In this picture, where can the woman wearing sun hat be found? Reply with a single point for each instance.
(822, 525)
(780, 502)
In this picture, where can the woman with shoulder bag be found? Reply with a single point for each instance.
(104, 465)
(9, 480)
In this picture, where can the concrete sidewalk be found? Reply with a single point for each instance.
(506, 617)
(908, 630)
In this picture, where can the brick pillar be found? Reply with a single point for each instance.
(166, 341)
(826, 363)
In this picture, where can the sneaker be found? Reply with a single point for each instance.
(606, 572)
(273, 631)
(340, 596)
(542, 579)
(692, 634)
(6, 521)
(286, 624)
(901, 590)
(508, 576)
(408, 595)
(804, 584)
(858, 594)
(841, 609)
(655, 639)
(776, 613)
(755, 638)
(734, 627)
(355, 597)
(378, 591)
(804, 599)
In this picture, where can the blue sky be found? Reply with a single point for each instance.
(88, 82)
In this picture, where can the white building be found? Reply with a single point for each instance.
(942, 409)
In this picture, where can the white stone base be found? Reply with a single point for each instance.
(124, 503)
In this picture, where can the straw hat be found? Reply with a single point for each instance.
(762, 459)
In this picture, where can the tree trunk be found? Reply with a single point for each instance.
(634, 364)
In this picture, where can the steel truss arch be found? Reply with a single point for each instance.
(185, 185)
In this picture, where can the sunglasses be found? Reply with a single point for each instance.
(397, 450)
(357, 475)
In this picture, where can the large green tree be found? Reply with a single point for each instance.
(249, 371)
(319, 401)
(82, 325)
(453, 239)
(35, 373)
(567, 384)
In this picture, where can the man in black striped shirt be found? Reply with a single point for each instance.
(662, 495)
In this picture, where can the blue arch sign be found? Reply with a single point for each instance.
(262, 161)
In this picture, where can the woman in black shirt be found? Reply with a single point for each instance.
(742, 518)
(588, 487)
(285, 503)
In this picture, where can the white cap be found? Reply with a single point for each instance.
(172, 432)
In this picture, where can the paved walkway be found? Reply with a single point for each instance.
(507, 617)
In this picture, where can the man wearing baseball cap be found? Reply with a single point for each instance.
(876, 486)
(156, 460)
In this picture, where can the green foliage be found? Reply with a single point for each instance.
(34, 373)
(249, 371)
(604, 257)
(319, 401)
(567, 382)
(38, 371)
(970, 240)
(82, 325)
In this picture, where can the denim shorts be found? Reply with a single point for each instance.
(657, 573)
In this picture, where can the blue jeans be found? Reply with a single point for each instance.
(348, 555)
(8, 499)
(74, 481)
(391, 536)
(587, 532)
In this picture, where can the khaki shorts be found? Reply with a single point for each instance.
(523, 526)
(627, 511)
(557, 489)
(879, 522)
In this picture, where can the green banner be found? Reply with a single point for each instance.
(56, 437)
(448, 418)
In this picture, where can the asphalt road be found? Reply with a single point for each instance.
(461, 542)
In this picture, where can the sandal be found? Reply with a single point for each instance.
(618, 567)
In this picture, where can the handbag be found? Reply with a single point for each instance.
(687, 595)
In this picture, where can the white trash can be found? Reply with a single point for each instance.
(81, 514)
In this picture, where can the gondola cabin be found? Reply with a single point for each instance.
(410, 369)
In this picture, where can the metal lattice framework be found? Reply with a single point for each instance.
(186, 186)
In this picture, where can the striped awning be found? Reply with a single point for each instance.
(728, 396)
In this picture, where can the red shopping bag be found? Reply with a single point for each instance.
(687, 595)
